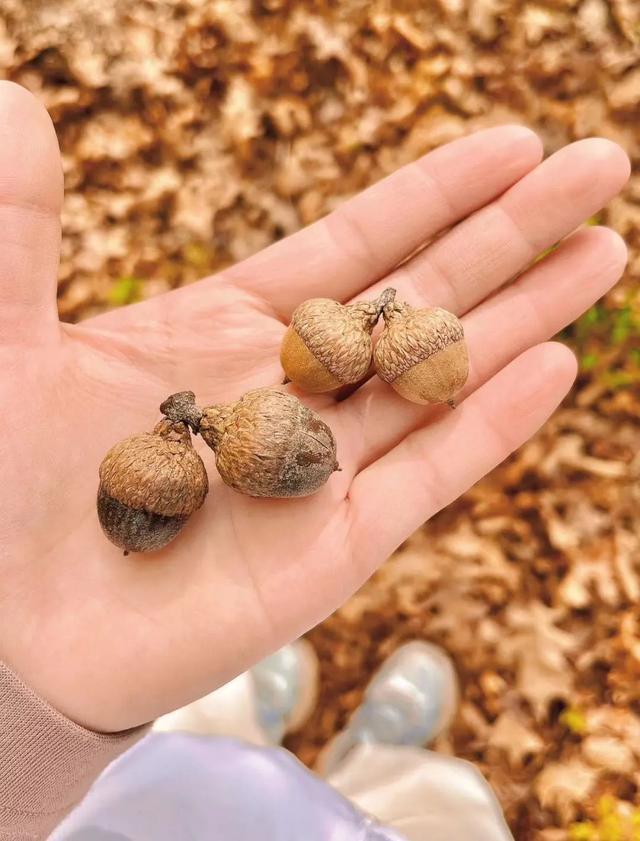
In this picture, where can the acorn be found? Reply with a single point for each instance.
(328, 344)
(267, 444)
(422, 353)
(150, 484)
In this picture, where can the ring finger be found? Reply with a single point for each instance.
(547, 297)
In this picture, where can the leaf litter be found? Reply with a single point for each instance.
(195, 132)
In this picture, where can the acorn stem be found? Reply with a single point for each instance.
(181, 408)
(387, 297)
(213, 421)
(392, 309)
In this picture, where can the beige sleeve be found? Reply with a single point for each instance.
(47, 763)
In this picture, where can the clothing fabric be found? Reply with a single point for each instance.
(47, 763)
(179, 786)
(421, 794)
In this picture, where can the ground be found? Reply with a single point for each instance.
(194, 133)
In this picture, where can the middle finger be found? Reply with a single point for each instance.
(496, 243)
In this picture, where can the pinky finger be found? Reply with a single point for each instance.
(434, 465)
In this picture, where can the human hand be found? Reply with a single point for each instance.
(114, 641)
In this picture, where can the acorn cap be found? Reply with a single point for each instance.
(149, 486)
(159, 471)
(269, 444)
(422, 353)
(328, 344)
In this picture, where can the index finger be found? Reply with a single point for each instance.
(346, 251)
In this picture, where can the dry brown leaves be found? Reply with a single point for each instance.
(194, 132)
(531, 583)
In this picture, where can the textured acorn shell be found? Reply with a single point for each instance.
(303, 368)
(269, 444)
(133, 529)
(328, 344)
(422, 353)
(149, 486)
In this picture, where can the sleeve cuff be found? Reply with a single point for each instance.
(47, 762)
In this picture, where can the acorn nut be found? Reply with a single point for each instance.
(328, 344)
(269, 444)
(422, 353)
(150, 484)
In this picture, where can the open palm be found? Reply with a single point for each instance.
(113, 641)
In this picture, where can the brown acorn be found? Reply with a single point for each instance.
(328, 344)
(150, 484)
(269, 444)
(422, 353)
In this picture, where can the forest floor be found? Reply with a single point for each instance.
(194, 132)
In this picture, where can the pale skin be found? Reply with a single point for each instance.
(115, 641)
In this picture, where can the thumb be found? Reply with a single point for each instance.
(30, 201)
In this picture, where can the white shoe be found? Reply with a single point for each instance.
(259, 706)
(409, 701)
(286, 689)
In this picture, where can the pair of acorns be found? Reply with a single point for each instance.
(268, 444)
(421, 352)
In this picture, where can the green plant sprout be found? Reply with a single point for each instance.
(126, 290)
